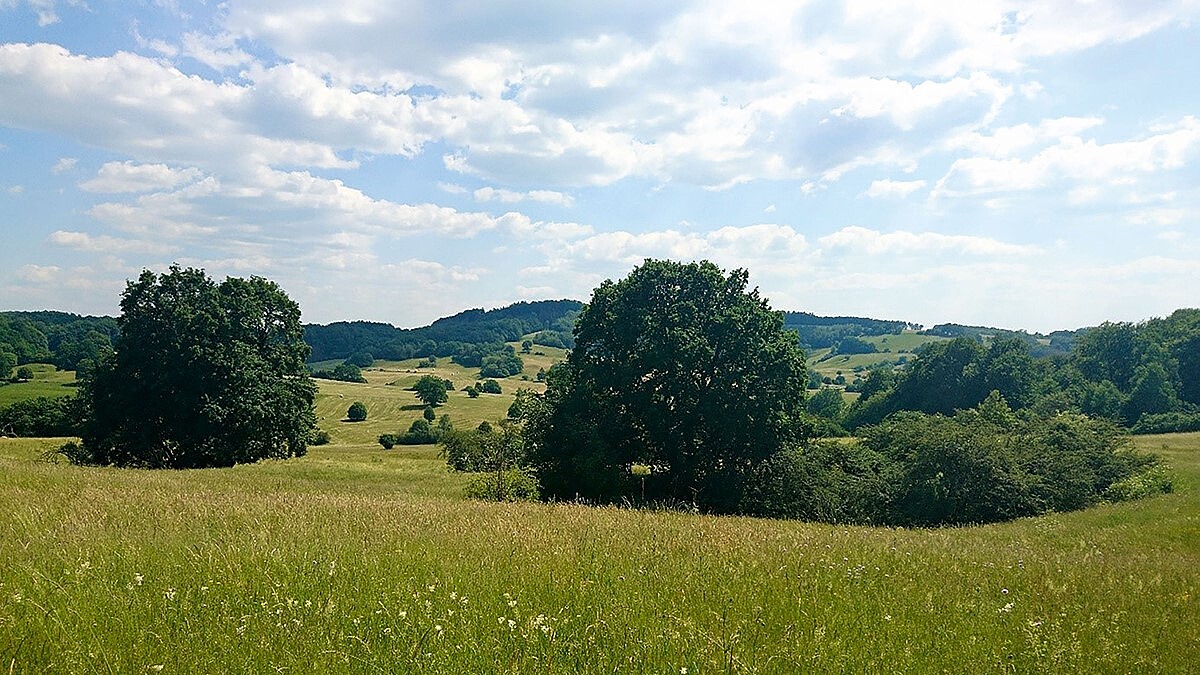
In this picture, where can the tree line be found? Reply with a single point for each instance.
(685, 389)
(1143, 376)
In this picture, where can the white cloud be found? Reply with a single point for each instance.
(889, 189)
(106, 244)
(39, 273)
(876, 243)
(1117, 163)
(488, 194)
(130, 177)
(64, 164)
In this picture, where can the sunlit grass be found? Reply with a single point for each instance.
(46, 382)
(355, 559)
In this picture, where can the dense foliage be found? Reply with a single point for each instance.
(818, 332)
(343, 372)
(431, 390)
(978, 466)
(470, 335)
(41, 416)
(678, 367)
(1123, 372)
(204, 374)
(65, 340)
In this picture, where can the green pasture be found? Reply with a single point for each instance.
(355, 559)
(392, 406)
(46, 382)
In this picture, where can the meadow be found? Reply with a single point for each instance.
(47, 381)
(357, 559)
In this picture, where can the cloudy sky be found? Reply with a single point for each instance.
(1021, 164)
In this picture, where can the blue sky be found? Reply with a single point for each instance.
(1019, 164)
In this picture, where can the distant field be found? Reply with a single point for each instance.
(392, 407)
(355, 559)
(896, 346)
(46, 382)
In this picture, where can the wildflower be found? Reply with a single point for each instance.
(170, 594)
(1006, 608)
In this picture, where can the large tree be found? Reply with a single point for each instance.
(677, 367)
(203, 374)
(431, 390)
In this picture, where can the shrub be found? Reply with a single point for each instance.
(490, 387)
(509, 485)
(1154, 480)
(829, 482)
(420, 432)
(319, 437)
(41, 416)
(357, 412)
(1166, 423)
(388, 441)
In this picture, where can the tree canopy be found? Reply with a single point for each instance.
(203, 375)
(677, 367)
(431, 390)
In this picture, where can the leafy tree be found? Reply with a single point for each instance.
(490, 387)
(361, 359)
(503, 364)
(431, 390)
(8, 361)
(526, 346)
(25, 373)
(1152, 393)
(854, 345)
(357, 412)
(429, 414)
(203, 375)
(388, 441)
(677, 366)
(41, 416)
(826, 403)
(344, 372)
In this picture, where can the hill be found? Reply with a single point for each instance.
(547, 322)
(820, 332)
(1058, 342)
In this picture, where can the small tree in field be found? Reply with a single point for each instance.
(25, 373)
(357, 412)
(431, 390)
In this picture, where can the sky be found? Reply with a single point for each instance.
(1026, 165)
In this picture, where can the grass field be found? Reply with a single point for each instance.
(392, 407)
(46, 382)
(355, 559)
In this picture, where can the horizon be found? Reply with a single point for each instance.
(922, 326)
(1023, 165)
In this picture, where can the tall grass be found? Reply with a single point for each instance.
(353, 559)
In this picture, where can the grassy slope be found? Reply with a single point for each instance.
(897, 345)
(392, 406)
(354, 559)
(46, 382)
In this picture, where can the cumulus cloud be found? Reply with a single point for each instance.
(488, 194)
(887, 188)
(130, 177)
(900, 242)
(106, 244)
(1169, 148)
